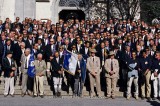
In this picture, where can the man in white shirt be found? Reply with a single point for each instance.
(9, 68)
(24, 68)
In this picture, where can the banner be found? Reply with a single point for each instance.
(31, 67)
(70, 61)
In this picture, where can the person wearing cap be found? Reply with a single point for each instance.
(112, 74)
(9, 68)
(93, 66)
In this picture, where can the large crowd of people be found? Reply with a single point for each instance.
(116, 52)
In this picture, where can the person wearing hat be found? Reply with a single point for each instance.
(112, 73)
(93, 66)
(9, 68)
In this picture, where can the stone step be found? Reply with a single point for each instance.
(47, 89)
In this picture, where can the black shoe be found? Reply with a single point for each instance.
(143, 98)
(74, 96)
(34, 96)
(59, 94)
(148, 98)
(22, 94)
(5, 95)
(55, 95)
(12, 95)
(113, 97)
(41, 96)
(154, 98)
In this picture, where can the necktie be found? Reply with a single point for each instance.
(93, 59)
(111, 65)
(8, 48)
(39, 63)
(26, 64)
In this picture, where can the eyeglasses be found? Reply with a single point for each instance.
(51, 41)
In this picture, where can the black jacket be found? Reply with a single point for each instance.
(56, 66)
(7, 66)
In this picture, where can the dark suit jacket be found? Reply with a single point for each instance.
(7, 66)
(28, 45)
(17, 53)
(48, 52)
(56, 66)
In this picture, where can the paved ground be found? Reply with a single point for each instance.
(68, 101)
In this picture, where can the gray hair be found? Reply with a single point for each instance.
(28, 49)
(22, 43)
(39, 55)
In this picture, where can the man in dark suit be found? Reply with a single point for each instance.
(146, 65)
(78, 82)
(126, 55)
(57, 73)
(41, 47)
(79, 45)
(49, 51)
(9, 68)
(9, 46)
(85, 50)
(29, 42)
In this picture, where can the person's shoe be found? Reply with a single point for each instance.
(99, 95)
(107, 97)
(22, 94)
(34, 96)
(58, 94)
(81, 96)
(5, 95)
(91, 95)
(128, 97)
(148, 98)
(74, 96)
(12, 95)
(41, 96)
(154, 98)
(143, 98)
(55, 95)
(113, 97)
(136, 97)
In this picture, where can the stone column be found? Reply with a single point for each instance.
(7, 9)
(25, 8)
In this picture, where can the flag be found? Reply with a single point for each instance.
(70, 60)
(31, 67)
(83, 70)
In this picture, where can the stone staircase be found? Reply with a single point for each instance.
(49, 92)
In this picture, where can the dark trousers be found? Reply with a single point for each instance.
(78, 87)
